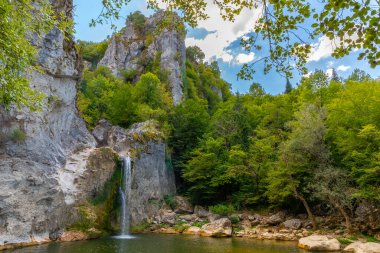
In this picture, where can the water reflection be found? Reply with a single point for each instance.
(165, 244)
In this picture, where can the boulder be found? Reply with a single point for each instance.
(212, 217)
(169, 230)
(188, 217)
(217, 228)
(168, 217)
(275, 219)
(183, 205)
(293, 224)
(245, 224)
(201, 212)
(192, 230)
(255, 219)
(360, 247)
(319, 243)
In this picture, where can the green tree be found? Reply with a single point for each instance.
(301, 155)
(92, 52)
(149, 90)
(190, 121)
(288, 86)
(354, 124)
(359, 75)
(195, 54)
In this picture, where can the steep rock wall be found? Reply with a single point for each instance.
(131, 50)
(152, 178)
(36, 199)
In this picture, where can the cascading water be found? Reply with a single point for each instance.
(124, 191)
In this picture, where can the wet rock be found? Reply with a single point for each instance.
(169, 230)
(319, 243)
(70, 236)
(360, 247)
(218, 228)
(192, 230)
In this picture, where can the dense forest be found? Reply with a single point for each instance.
(314, 147)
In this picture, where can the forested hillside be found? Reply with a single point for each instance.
(316, 146)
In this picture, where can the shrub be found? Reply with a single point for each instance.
(222, 209)
(170, 201)
(234, 219)
(138, 20)
(18, 135)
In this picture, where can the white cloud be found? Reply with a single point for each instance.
(322, 49)
(244, 58)
(330, 64)
(343, 68)
(214, 45)
(227, 57)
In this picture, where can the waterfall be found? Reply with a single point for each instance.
(124, 191)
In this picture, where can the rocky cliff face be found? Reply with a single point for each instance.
(152, 179)
(50, 166)
(38, 148)
(133, 49)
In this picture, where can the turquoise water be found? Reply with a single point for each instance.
(166, 244)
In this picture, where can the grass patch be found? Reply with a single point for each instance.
(344, 241)
(371, 238)
(199, 223)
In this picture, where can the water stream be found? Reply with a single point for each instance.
(124, 191)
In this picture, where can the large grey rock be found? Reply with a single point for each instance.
(360, 247)
(293, 224)
(183, 205)
(319, 243)
(128, 51)
(275, 219)
(167, 217)
(217, 228)
(201, 212)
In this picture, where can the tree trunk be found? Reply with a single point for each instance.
(347, 218)
(307, 207)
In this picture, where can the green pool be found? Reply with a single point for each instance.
(165, 244)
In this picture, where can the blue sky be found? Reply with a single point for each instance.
(220, 40)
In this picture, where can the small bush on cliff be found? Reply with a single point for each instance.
(138, 21)
(222, 209)
(18, 136)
